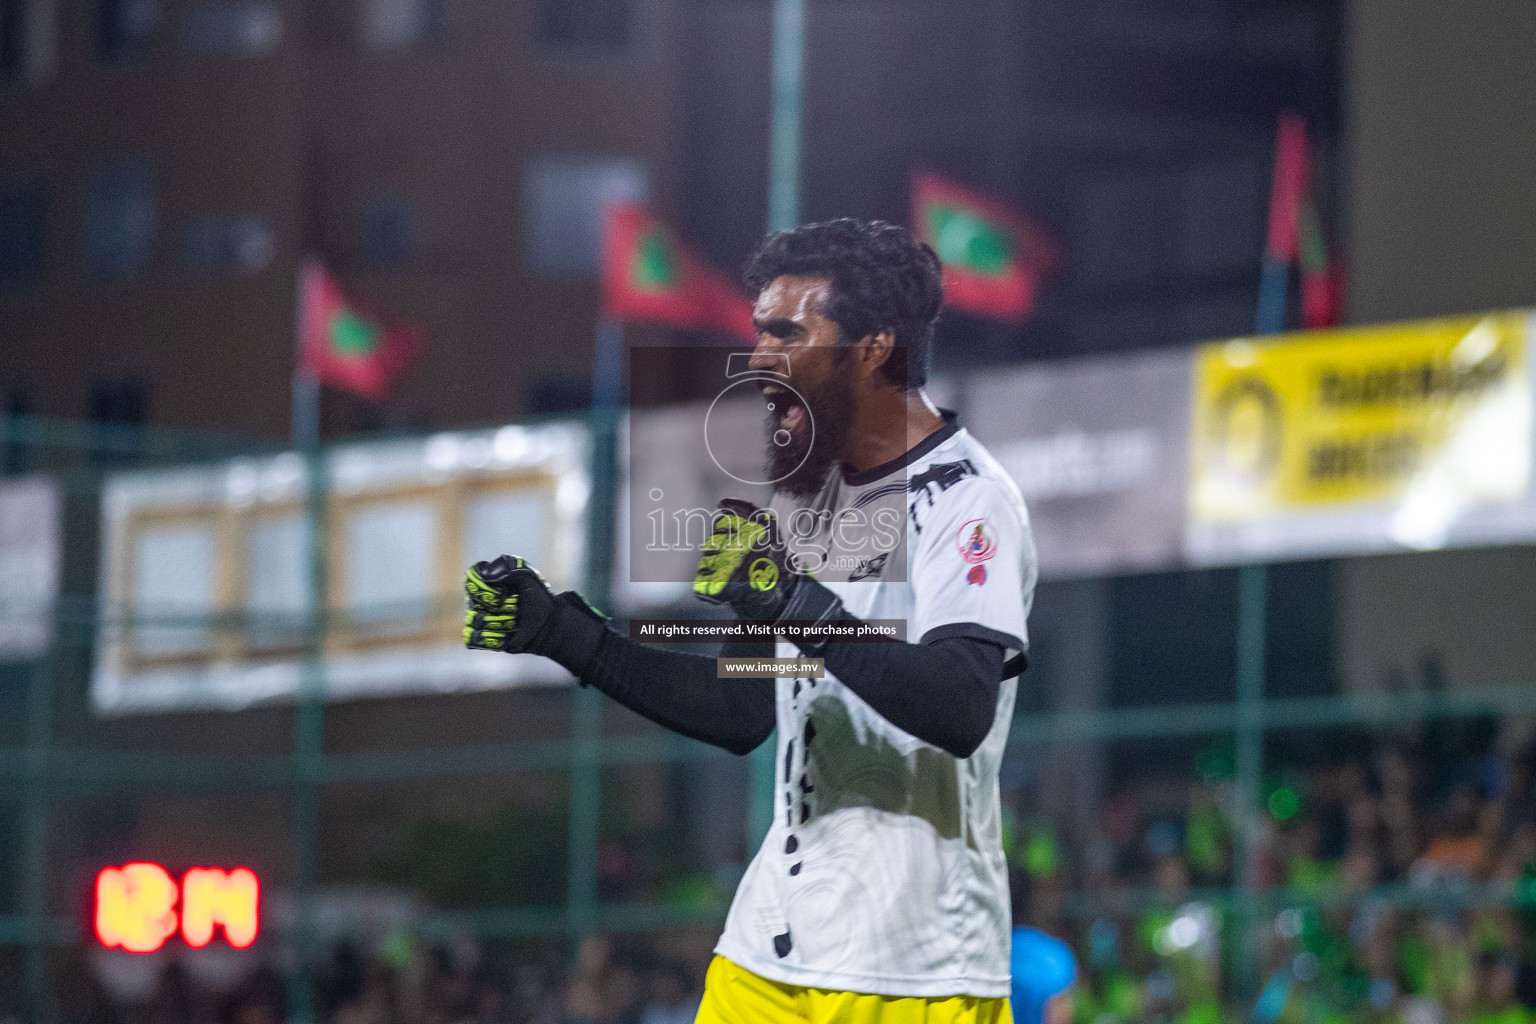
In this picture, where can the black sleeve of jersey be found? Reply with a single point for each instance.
(680, 691)
(943, 692)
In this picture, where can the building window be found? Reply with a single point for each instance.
(388, 230)
(28, 38)
(593, 25)
(173, 571)
(125, 28)
(118, 398)
(226, 244)
(399, 24)
(278, 586)
(23, 235)
(563, 201)
(390, 594)
(119, 220)
(231, 28)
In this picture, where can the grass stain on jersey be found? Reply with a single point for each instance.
(846, 771)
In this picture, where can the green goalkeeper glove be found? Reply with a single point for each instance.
(746, 565)
(512, 609)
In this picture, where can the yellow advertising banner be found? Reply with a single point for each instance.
(1431, 416)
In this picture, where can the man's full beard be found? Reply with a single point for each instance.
(824, 446)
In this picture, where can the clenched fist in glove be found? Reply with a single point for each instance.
(512, 609)
(746, 565)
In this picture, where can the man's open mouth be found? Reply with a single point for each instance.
(785, 407)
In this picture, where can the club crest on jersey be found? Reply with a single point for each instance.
(977, 575)
(976, 541)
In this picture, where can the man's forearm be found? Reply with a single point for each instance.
(944, 693)
(682, 693)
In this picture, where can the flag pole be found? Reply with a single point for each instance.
(1280, 249)
(304, 423)
(586, 702)
(309, 709)
(788, 88)
(1285, 196)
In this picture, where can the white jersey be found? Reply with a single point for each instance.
(883, 871)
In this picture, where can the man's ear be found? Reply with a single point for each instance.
(873, 350)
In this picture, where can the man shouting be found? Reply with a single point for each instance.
(880, 892)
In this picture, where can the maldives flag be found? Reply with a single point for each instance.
(344, 347)
(650, 276)
(1322, 276)
(994, 257)
(1288, 191)
(1296, 233)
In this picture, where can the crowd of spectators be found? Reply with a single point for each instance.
(1390, 886)
(402, 980)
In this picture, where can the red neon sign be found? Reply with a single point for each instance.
(210, 897)
(136, 906)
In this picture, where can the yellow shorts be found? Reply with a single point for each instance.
(734, 995)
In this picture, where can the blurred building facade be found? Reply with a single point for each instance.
(166, 163)
(1439, 104)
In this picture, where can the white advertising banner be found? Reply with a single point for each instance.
(206, 571)
(1098, 448)
(29, 565)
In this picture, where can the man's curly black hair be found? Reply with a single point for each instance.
(881, 277)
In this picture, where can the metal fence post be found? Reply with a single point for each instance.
(1252, 610)
(587, 703)
(586, 737)
(34, 859)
